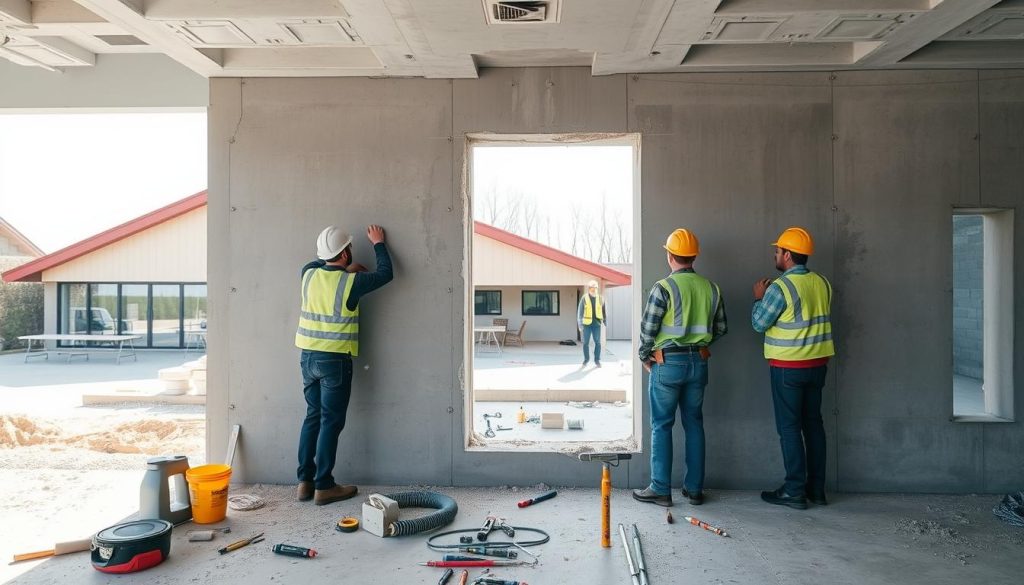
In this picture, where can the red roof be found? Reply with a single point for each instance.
(612, 276)
(33, 271)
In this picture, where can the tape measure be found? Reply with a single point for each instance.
(347, 524)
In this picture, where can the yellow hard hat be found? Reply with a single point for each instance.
(796, 239)
(682, 243)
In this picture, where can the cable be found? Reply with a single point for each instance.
(1011, 509)
(245, 502)
(445, 514)
(489, 545)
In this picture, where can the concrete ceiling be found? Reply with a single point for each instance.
(454, 38)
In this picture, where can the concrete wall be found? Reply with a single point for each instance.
(872, 163)
(968, 307)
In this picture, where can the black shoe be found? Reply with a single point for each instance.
(781, 498)
(695, 499)
(598, 364)
(585, 362)
(648, 496)
(817, 498)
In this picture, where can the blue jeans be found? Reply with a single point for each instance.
(796, 394)
(592, 330)
(327, 385)
(678, 383)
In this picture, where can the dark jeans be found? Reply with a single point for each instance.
(592, 330)
(677, 384)
(796, 393)
(327, 384)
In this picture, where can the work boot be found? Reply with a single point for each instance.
(334, 494)
(304, 491)
(648, 496)
(696, 499)
(585, 362)
(598, 364)
(781, 498)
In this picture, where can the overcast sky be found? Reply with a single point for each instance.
(557, 180)
(65, 177)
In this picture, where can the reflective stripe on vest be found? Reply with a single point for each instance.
(588, 309)
(692, 304)
(325, 323)
(804, 329)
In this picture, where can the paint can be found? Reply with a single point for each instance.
(131, 546)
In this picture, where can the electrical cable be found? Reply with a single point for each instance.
(488, 545)
(1011, 509)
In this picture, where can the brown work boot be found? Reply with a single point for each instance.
(304, 491)
(334, 494)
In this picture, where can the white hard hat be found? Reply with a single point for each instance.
(331, 242)
(592, 284)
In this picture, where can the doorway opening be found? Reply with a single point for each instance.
(553, 252)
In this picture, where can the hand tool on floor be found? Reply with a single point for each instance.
(493, 581)
(489, 433)
(205, 535)
(537, 499)
(240, 543)
(59, 548)
(641, 563)
(634, 573)
(706, 526)
(608, 460)
(489, 552)
(486, 528)
(669, 518)
(480, 563)
(447, 575)
(294, 551)
(504, 527)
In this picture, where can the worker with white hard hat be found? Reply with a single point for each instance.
(684, 314)
(328, 335)
(591, 314)
(795, 314)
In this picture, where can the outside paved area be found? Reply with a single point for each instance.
(857, 540)
(547, 377)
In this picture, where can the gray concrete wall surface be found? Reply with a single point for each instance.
(122, 82)
(872, 163)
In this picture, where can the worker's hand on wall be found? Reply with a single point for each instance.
(759, 288)
(375, 233)
(356, 267)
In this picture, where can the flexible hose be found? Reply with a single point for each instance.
(445, 514)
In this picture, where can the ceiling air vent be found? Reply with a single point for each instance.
(521, 11)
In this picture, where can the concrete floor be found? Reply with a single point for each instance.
(16, 373)
(601, 422)
(549, 366)
(858, 539)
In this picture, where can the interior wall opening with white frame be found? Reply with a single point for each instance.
(547, 217)
(983, 315)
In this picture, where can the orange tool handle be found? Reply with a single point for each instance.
(606, 507)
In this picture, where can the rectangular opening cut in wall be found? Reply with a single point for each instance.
(983, 315)
(551, 248)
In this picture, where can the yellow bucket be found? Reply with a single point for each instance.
(208, 489)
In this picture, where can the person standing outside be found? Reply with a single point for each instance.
(684, 314)
(591, 314)
(328, 335)
(794, 313)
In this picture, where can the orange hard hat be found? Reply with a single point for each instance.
(682, 243)
(796, 239)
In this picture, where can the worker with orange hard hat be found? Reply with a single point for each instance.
(684, 314)
(794, 312)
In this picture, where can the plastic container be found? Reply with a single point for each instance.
(157, 499)
(208, 488)
(521, 416)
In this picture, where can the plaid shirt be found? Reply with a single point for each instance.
(654, 312)
(768, 310)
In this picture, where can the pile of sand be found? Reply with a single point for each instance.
(21, 431)
(148, 436)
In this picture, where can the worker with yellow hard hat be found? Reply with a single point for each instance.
(794, 311)
(328, 335)
(591, 314)
(684, 314)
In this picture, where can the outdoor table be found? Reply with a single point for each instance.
(122, 351)
(487, 333)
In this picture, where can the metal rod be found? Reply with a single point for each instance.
(633, 572)
(640, 562)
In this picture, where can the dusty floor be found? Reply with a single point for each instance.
(858, 539)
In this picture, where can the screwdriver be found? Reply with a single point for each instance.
(481, 563)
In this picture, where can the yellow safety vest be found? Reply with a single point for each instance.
(325, 323)
(588, 309)
(690, 315)
(804, 329)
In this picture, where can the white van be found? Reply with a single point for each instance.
(100, 322)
